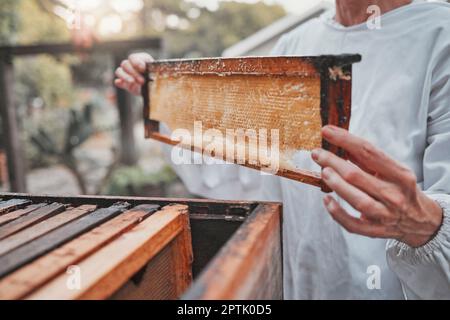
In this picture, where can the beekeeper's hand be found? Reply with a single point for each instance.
(381, 189)
(129, 76)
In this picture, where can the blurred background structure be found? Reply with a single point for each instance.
(64, 128)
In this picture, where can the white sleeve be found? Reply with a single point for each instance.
(425, 271)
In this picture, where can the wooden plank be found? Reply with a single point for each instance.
(250, 265)
(155, 281)
(104, 272)
(10, 129)
(29, 278)
(30, 219)
(29, 252)
(196, 206)
(242, 102)
(183, 257)
(60, 48)
(13, 204)
(277, 66)
(128, 152)
(38, 230)
(11, 216)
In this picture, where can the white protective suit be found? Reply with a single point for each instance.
(401, 103)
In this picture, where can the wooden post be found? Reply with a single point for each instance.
(117, 48)
(128, 153)
(16, 167)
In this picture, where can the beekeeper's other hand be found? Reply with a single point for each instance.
(129, 76)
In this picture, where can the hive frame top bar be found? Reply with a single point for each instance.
(276, 65)
(334, 73)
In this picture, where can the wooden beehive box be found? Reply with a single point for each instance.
(244, 103)
(138, 248)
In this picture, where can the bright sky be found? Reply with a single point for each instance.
(113, 23)
(298, 6)
(293, 6)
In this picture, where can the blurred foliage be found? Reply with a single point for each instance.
(134, 181)
(38, 25)
(78, 130)
(43, 78)
(213, 32)
(8, 20)
(190, 30)
(55, 124)
(48, 87)
(94, 71)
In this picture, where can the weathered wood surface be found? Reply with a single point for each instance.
(295, 96)
(13, 204)
(155, 281)
(24, 281)
(182, 254)
(128, 152)
(249, 266)
(13, 215)
(196, 206)
(10, 126)
(126, 250)
(30, 219)
(27, 253)
(110, 267)
(63, 48)
(278, 66)
(34, 232)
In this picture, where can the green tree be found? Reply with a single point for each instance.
(8, 20)
(43, 77)
(210, 32)
(39, 25)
